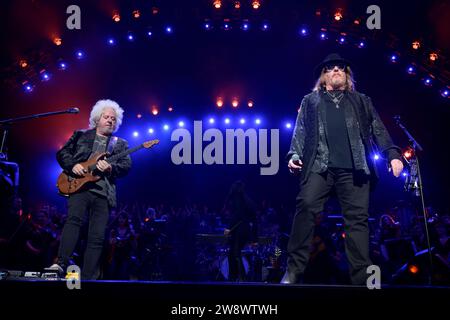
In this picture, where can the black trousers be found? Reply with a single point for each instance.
(239, 237)
(352, 190)
(98, 209)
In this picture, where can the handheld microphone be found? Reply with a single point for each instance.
(295, 157)
(73, 110)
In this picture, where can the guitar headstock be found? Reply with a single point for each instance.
(149, 144)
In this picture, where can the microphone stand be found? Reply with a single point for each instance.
(413, 183)
(6, 124)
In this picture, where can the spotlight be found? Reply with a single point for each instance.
(136, 14)
(23, 63)
(219, 102)
(342, 40)
(135, 134)
(235, 103)
(217, 4)
(237, 4)
(149, 33)
(245, 26)
(257, 121)
(27, 87)
(155, 10)
(111, 41)
(376, 156)
(57, 41)
(288, 125)
(45, 76)
(428, 82)
(357, 21)
(116, 16)
(139, 116)
(411, 70)
(211, 120)
(166, 127)
(433, 56)
(256, 4)
(181, 124)
(242, 121)
(79, 54)
(207, 25)
(445, 93)
(250, 104)
(170, 109)
(323, 36)
(405, 174)
(130, 37)
(169, 29)
(62, 65)
(415, 45)
(155, 111)
(226, 26)
(150, 130)
(394, 58)
(408, 154)
(303, 32)
(413, 269)
(338, 15)
(361, 44)
(227, 121)
(265, 26)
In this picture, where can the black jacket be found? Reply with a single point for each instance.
(367, 134)
(78, 149)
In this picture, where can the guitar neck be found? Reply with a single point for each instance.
(124, 153)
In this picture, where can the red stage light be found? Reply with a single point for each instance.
(408, 153)
(433, 56)
(416, 45)
(338, 15)
(256, 4)
(57, 41)
(116, 16)
(413, 269)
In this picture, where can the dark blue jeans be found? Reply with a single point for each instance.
(98, 209)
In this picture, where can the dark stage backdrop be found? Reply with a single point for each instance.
(188, 70)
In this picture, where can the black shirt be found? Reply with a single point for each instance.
(340, 154)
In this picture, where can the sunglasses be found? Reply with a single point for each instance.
(330, 67)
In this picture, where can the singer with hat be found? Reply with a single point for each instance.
(336, 134)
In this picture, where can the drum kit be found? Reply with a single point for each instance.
(261, 261)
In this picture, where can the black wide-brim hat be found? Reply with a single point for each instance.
(331, 58)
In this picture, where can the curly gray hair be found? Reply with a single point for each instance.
(97, 111)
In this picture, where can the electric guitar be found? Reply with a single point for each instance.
(69, 183)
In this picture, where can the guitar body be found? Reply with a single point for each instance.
(71, 183)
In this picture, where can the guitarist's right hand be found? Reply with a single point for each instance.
(78, 169)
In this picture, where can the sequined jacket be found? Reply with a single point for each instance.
(366, 132)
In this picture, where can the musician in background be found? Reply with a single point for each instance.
(96, 198)
(241, 228)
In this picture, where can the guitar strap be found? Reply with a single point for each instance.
(112, 143)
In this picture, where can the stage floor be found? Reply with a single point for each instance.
(223, 299)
